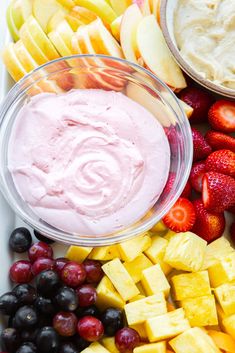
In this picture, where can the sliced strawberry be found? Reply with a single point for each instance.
(201, 149)
(219, 140)
(232, 232)
(221, 161)
(197, 172)
(208, 225)
(221, 116)
(218, 191)
(181, 216)
(199, 100)
(187, 190)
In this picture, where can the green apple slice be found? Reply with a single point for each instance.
(43, 10)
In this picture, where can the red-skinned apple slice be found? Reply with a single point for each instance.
(155, 53)
(144, 6)
(130, 21)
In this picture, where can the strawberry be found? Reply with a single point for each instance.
(208, 225)
(199, 100)
(197, 172)
(221, 161)
(201, 149)
(219, 140)
(169, 183)
(232, 232)
(231, 209)
(218, 191)
(187, 190)
(221, 116)
(181, 216)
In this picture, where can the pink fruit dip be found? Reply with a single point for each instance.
(88, 161)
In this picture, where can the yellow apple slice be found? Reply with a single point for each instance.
(13, 65)
(100, 7)
(32, 46)
(58, 17)
(155, 8)
(41, 38)
(155, 53)
(69, 4)
(144, 6)
(130, 22)
(73, 22)
(83, 14)
(43, 10)
(115, 27)
(24, 57)
(65, 32)
(120, 6)
(14, 31)
(26, 8)
(102, 40)
(59, 43)
(17, 14)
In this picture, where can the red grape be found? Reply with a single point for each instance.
(94, 272)
(40, 249)
(127, 339)
(20, 272)
(65, 323)
(60, 263)
(90, 328)
(73, 274)
(87, 295)
(42, 264)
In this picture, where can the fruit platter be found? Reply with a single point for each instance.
(117, 176)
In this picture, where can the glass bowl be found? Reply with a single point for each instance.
(108, 73)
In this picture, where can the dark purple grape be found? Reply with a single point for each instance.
(8, 303)
(45, 306)
(10, 340)
(66, 299)
(26, 317)
(47, 340)
(27, 347)
(20, 240)
(112, 320)
(42, 237)
(88, 311)
(68, 347)
(47, 283)
(25, 293)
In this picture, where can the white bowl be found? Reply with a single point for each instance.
(167, 11)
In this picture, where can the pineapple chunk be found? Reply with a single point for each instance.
(95, 347)
(140, 328)
(77, 253)
(225, 294)
(156, 253)
(109, 344)
(229, 325)
(107, 296)
(190, 285)
(135, 267)
(154, 281)
(216, 251)
(138, 297)
(159, 228)
(130, 249)
(194, 340)
(222, 271)
(185, 251)
(104, 253)
(167, 325)
(121, 279)
(139, 311)
(169, 234)
(200, 311)
(159, 347)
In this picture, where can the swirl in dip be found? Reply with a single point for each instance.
(88, 161)
(205, 35)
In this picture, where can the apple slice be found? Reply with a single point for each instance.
(144, 6)
(69, 4)
(120, 6)
(73, 22)
(24, 57)
(58, 17)
(13, 65)
(43, 10)
(155, 53)
(14, 31)
(100, 7)
(155, 8)
(32, 46)
(115, 27)
(86, 16)
(65, 32)
(59, 43)
(41, 38)
(26, 8)
(130, 22)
